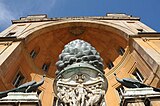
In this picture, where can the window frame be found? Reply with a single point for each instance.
(138, 75)
(34, 52)
(11, 34)
(18, 79)
(45, 66)
(110, 65)
(120, 91)
(121, 51)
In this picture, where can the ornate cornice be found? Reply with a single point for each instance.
(44, 18)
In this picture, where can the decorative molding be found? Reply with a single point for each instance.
(77, 30)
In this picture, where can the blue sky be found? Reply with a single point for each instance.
(147, 10)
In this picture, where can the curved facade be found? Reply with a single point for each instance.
(30, 47)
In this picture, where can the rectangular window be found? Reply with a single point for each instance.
(140, 30)
(120, 91)
(33, 54)
(138, 75)
(121, 51)
(18, 79)
(10, 34)
(45, 67)
(110, 65)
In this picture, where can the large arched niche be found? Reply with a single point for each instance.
(52, 38)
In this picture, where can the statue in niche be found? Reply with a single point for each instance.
(80, 79)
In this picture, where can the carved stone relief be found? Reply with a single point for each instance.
(80, 83)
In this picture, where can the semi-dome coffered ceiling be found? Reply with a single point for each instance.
(51, 41)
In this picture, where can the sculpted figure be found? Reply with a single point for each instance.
(73, 98)
(81, 92)
(95, 96)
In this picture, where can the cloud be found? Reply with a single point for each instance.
(11, 10)
(5, 14)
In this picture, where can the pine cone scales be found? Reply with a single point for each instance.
(79, 51)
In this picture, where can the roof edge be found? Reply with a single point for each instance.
(44, 18)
